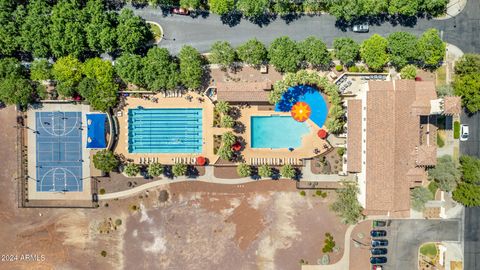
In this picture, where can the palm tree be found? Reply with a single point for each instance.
(155, 169)
(222, 106)
(225, 152)
(244, 170)
(228, 138)
(227, 122)
(264, 171)
(131, 169)
(179, 169)
(287, 171)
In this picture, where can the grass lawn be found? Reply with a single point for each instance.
(156, 31)
(456, 130)
(442, 75)
(429, 250)
(440, 140)
(433, 187)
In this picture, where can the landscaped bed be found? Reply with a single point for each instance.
(156, 31)
(329, 163)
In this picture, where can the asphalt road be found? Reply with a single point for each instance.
(200, 32)
(406, 236)
(472, 145)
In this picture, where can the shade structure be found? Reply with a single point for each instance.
(201, 161)
(236, 146)
(322, 133)
(301, 111)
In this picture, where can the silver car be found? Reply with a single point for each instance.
(360, 28)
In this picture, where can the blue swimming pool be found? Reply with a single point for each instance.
(164, 130)
(277, 132)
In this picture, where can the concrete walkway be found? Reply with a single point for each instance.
(344, 262)
(454, 7)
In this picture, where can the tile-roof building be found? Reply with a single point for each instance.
(399, 143)
(243, 91)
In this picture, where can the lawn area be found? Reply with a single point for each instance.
(440, 140)
(433, 187)
(429, 250)
(441, 75)
(156, 31)
(456, 130)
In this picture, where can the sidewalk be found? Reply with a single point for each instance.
(454, 7)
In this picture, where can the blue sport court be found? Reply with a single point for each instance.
(59, 151)
(165, 130)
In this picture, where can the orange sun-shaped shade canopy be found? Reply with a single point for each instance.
(301, 111)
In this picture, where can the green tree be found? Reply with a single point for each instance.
(374, 52)
(265, 171)
(67, 35)
(252, 52)
(283, 7)
(132, 32)
(435, 7)
(155, 169)
(16, 90)
(346, 50)
(100, 30)
(131, 169)
(402, 48)
(10, 19)
(222, 53)
(404, 7)
(179, 169)
(129, 68)
(227, 121)
(470, 167)
(105, 161)
(225, 152)
(68, 73)
(222, 106)
(315, 52)
(160, 72)
(334, 125)
(287, 171)
(190, 4)
(190, 67)
(446, 173)
(40, 70)
(34, 32)
(467, 194)
(252, 8)
(468, 87)
(10, 67)
(419, 196)
(468, 64)
(431, 48)
(244, 170)
(409, 72)
(221, 7)
(346, 205)
(104, 95)
(228, 138)
(284, 54)
(445, 90)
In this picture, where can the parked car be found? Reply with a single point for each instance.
(378, 233)
(464, 132)
(377, 260)
(180, 11)
(378, 251)
(380, 243)
(379, 223)
(360, 28)
(377, 267)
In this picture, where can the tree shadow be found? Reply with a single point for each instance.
(298, 174)
(288, 18)
(192, 172)
(276, 174)
(235, 113)
(114, 4)
(263, 20)
(239, 128)
(199, 13)
(167, 171)
(232, 18)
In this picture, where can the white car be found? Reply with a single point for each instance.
(463, 132)
(360, 28)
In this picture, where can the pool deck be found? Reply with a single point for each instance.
(169, 102)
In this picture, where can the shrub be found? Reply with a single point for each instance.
(353, 69)
(321, 193)
(456, 130)
(338, 68)
(103, 253)
(440, 141)
(118, 222)
(131, 169)
(155, 169)
(101, 191)
(179, 169)
(303, 193)
(264, 171)
(244, 170)
(329, 244)
(346, 205)
(341, 151)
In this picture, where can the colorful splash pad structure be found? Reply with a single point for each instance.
(303, 94)
(301, 111)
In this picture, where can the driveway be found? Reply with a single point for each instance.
(406, 236)
(200, 32)
(472, 145)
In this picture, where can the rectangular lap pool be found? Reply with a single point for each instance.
(277, 132)
(165, 130)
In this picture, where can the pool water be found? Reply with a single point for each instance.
(277, 132)
(165, 130)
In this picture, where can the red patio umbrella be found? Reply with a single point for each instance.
(322, 133)
(236, 146)
(201, 161)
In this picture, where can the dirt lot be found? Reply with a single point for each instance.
(262, 225)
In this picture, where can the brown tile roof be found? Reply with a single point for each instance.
(416, 176)
(354, 135)
(243, 91)
(452, 105)
(426, 155)
(392, 135)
